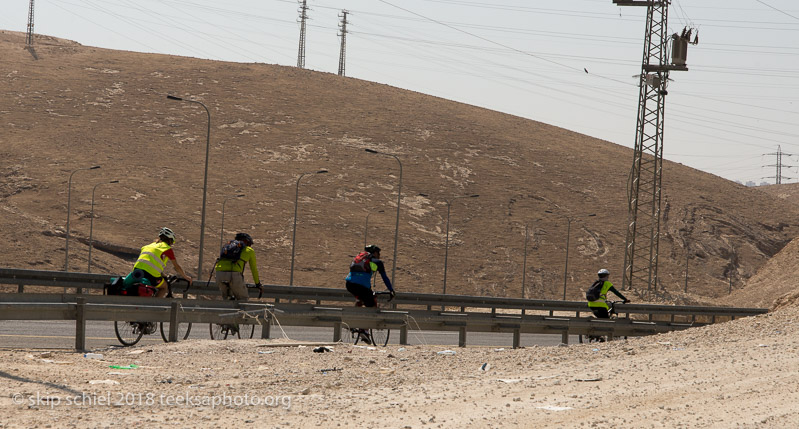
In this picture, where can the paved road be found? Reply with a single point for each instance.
(61, 335)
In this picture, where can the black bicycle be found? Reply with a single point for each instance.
(613, 314)
(377, 337)
(130, 333)
(223, 331)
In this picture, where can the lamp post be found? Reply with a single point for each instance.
(294, 233)
(396, 227)
(69, 209)
(568, 234)
(446, 247)
(205, 179)
(91, 227)
(366, 227)
(222, 229)
(524, 264)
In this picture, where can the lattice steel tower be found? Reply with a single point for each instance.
(779, 154)
(303, 10)
(643, 187)
(29, 38)
(342, 56)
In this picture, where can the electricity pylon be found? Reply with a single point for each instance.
(303, 10)
(644, 182)
(29, 37)
(779, 154)
(342, 56)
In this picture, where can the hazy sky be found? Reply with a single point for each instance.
(738, 102)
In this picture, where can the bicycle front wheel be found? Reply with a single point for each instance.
(128, 333)
(379, 336)
(223, 332)
(183, 331)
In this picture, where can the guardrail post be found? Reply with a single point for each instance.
(266, 327)
(80, 325)
(173, 322)
(517, 338)
(404, 335)
(337, 332)
(462, 336)
(20, 288)
(564, 337)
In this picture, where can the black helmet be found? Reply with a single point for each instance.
(371, 248)
(243, 236)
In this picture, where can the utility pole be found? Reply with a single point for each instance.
(343, 33)
(29, 37)
(778, 178)
(303, 10)
(644, 186)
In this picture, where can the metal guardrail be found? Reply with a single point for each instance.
(27, 306)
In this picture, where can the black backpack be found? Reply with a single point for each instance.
(593, 292)
(232, 250)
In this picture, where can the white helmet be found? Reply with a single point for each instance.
(167, 233)
(603, 272)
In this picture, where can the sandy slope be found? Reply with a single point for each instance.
(736, 374)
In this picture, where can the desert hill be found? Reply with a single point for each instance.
(77, 106)
(786, 191)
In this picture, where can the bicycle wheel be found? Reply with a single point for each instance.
(246, 331)
(183, 331)
(379, 336)
(223, 332)
(128, 333)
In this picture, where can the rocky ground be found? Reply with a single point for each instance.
(735, 374)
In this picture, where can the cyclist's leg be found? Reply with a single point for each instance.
(599, 313)
(237, 287)
(362, 293)
(223, 280)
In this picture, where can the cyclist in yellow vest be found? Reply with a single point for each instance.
(230, 274)
(152, 262)
(600, 306)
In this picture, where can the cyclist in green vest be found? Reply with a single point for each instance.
(152, 262)
(230, 274)
(600, 306)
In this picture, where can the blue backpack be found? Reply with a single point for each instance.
(232, 250)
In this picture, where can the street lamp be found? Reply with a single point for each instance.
(366, 227)
(524, 264)
(69, 201)
(446, 247)
(205, 179)
(91, 227)
(568, 233)
(222, 229)
(294, 234)
(396, 227)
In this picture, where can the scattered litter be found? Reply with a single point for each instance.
(485, 367)
(266, 352)
(502, 349)
(446, 352)
(596, 350)
(324, 371)
(554, 408)
(762, 345)
(118, 373)
(46, 355)
(387, 371)
(664, 343)
(301, 346)
(401, 349)
(136, 352)
(590, 379)
(131, 366)
(103, 382)
(93, 355)
(323, 349)
(509, 380)
(57, 362)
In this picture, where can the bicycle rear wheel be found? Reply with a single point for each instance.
(183, 331)
(223, 332)
(128, 333)
(246, 331)
(379, 336)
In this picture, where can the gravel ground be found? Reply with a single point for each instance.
(735, 374)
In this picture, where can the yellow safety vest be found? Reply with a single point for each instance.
(152, 259)
(603, 296)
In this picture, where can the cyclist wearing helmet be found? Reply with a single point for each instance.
(600, 306)
(230, 274)
(359, 280)
(152, 262)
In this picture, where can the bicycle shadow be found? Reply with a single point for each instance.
(5, 375)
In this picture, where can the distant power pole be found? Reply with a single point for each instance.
(778, 178)
(29, 38)
(342, 56)
(303, 10)
(644, 186)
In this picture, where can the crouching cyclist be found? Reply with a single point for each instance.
(152, 262)
(600, 289)
(359, 280)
